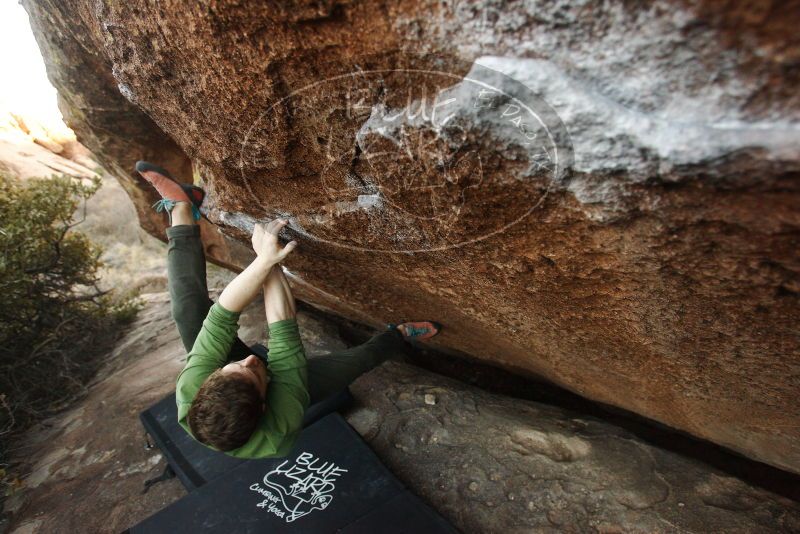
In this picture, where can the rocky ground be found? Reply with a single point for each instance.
(488, 462)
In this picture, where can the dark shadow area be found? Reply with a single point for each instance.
(495, 380)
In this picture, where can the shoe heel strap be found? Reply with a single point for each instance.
(164, 204)
(167, 205)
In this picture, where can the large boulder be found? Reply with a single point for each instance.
(644, 255)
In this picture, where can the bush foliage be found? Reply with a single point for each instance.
(54, 319)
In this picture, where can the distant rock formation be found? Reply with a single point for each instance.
(653, 265)
(28, 150)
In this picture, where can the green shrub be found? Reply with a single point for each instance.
(54, 320)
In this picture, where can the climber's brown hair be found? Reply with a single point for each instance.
(225, 411)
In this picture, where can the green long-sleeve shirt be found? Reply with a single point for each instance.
(287, 392)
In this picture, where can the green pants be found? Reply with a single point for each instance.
(327, 374)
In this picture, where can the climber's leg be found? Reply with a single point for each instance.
(186, 276)
(172, 192)
(186, 262)
(333, 372)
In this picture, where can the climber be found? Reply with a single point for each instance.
(228, 398)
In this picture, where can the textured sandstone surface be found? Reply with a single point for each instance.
(655, 268)
(488, 463)
(491, 463)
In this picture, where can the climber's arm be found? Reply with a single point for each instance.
(209, 353)
(214, 341)
(278, 299)
(244, 288)
(287, 393)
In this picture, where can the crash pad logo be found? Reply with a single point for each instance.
(415, 159)
(295, 489)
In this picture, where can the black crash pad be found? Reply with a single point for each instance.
(332, 482)
(196, 464)
(402, 514)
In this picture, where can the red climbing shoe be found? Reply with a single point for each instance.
(417, 331)
(171, 191)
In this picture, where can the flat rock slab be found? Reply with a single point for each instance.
(492, 464)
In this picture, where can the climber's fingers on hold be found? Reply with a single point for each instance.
(275, 226)
(290, 246)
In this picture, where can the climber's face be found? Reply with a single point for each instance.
(251, 369)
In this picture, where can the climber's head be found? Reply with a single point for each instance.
(228, 405)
